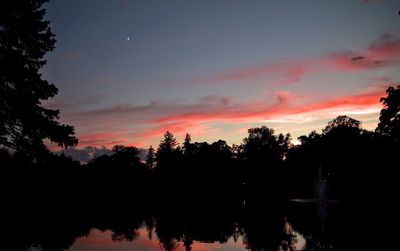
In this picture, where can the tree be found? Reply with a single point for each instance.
(262, 155)
(168, 152)
(186, 143)
(150, 159)
(125, 156)
(342, 121)
(389, 119)
(168, 144)
(25, 37)
(188, 148)
(262, 143)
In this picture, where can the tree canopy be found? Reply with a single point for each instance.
(389, 119)
(263, 143)
(342, 122)
(25, 37)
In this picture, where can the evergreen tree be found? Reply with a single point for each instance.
(150, 159)
(187, 143)
(168, 152)
(168, 144)
(25, 37)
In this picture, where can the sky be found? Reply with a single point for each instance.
(128, 71)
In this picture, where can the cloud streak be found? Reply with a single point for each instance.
(385, 52)
(139, 125)
(283, 106)
(210, 115)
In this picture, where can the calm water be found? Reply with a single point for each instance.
(299, 224)
(258, 229)
(98, 240)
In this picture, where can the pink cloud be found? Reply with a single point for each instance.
(385, 52)
(200, 118)
(107, 139)
(141, 124)
(287, 72)
(284, 106)
(292, 75)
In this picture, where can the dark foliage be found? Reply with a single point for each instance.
(25, 37)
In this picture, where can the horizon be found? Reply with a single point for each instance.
(127, 72)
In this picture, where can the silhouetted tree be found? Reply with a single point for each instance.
(262, 143)
(168, 158)
(342, 122)
(262, 155)
(389, 119)
(25, 37)
(167, 151)
(168, 144)
(344, 153)
(187, 144)
(150, 158)
(301, 165)
(126, 156)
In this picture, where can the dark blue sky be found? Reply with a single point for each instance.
(215, 68)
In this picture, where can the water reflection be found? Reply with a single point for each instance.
(147, 239)
(97, 240)
(286, 226)
(250, 227)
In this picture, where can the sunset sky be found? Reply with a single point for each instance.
(127, 71)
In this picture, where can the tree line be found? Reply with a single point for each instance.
(347, 158)
(342, 154)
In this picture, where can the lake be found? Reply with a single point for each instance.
(293, 225)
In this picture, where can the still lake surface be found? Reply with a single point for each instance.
(272, 232)
(101, 241)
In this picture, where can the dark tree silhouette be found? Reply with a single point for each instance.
(168, 144)
(150, 158)
(25, 37)
(127, 156)
(389, 119)
(187, 144)
(342, 122)
(167, 152)
(261, 157)
(263, 143)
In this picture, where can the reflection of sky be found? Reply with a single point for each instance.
(99, 241)
(220, 61)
